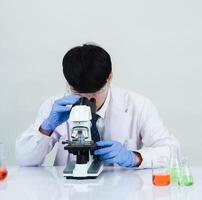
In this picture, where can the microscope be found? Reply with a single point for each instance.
(81, 144)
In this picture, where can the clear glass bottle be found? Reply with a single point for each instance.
(175, 164)
(186, 178)
(160, 174)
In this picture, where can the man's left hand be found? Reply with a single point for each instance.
(114, 152)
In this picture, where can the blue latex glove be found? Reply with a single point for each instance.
(59, 113)
(114, 152)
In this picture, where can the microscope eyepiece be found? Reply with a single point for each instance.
(85, 101)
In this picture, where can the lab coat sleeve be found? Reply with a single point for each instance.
(31, 146)
(156, 140)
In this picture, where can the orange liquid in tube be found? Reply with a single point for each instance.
(3, 174)
(161, 179)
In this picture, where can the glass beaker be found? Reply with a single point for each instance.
(3, 170)
(185, 178)
(160, 173)
(175, 164)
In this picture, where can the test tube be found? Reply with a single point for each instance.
(3, 170)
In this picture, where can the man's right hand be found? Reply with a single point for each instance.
(59, 113)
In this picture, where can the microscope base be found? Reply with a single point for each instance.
(83, 171)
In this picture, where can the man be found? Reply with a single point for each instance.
(130, 129)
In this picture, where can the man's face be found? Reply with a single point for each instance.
(100, 95)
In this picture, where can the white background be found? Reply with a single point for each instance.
(156, 49)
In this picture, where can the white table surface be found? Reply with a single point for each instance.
(114, 183)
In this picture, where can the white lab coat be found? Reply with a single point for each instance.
(130, 118)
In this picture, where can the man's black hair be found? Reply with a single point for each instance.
(86, 68)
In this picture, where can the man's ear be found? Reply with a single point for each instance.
(110, 78)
